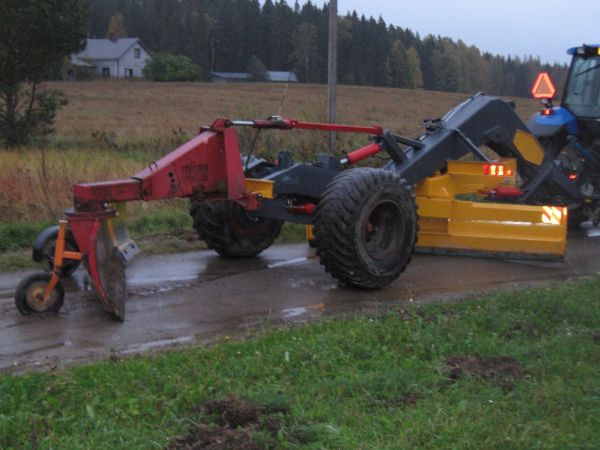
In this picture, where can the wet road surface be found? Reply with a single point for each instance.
(195, 297)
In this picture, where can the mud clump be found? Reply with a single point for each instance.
(231, 423)
(504, 371)
(234, 411)
(207, 437)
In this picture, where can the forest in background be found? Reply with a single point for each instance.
(227, 35)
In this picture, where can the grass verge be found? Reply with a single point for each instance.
(509, 370)
(165, 228)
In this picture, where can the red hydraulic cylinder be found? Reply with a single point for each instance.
(362, 153)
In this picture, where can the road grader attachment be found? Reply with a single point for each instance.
(364, 222)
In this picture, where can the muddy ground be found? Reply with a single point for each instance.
(182, 299)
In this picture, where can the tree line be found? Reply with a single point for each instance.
(225, 35)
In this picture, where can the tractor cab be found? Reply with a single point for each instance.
(570, 133)
(579, 113)
(582, 91)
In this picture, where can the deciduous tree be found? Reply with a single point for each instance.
(257, 69)
(35, 36)
(116, 27)
(169, 67)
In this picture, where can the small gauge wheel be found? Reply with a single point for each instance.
(29, 296)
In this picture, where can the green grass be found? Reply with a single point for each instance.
(16, 260)
(165, 228)
(16, 236)
(16, 242)
(368, 382)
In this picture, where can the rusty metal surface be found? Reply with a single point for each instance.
(194, 297)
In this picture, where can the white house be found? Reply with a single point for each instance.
(119, 58)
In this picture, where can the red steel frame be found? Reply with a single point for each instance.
(209, 165)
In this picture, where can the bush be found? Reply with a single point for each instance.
(258, 71)
(169, 67)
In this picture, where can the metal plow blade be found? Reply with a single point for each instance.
(107, 269)
(118, 233)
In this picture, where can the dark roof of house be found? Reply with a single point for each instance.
(231, 75)
(274, 75)
(79, 62)
(278, 75)
(107, 49)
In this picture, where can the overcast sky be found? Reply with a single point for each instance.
(506, 27)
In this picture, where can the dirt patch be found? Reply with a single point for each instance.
(234, 411)
(410, 399)
(209, 437)
(234, 423)
(502, 370)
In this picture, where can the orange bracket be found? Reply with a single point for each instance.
(60, 254)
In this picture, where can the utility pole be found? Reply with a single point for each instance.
(332, 72)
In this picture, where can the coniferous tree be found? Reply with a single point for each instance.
(398, 62)
(223, 35)
(305, 55)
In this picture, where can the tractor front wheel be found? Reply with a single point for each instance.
(366, 227)
(232, 231)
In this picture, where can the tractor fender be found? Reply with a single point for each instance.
(542, 125)
(41, 240)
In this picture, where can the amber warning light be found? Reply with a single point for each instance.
(496, 170)
(543, 87)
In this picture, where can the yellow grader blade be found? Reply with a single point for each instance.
(455, 217)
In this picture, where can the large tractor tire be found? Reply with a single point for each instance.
(231, 231)
(366, 227)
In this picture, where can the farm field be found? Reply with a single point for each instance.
(142, 111)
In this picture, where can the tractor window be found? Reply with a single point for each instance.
(582, 95)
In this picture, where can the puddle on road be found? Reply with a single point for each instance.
(289, 262)
(145, 346)
(292, 312)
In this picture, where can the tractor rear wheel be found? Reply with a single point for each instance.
(231, 231)
(366, 227)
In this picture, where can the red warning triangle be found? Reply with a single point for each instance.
(543, 87)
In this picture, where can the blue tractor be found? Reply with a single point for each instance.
(570, 134)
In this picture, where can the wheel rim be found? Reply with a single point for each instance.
(244, 222)
(383, 230)
(34, 297)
